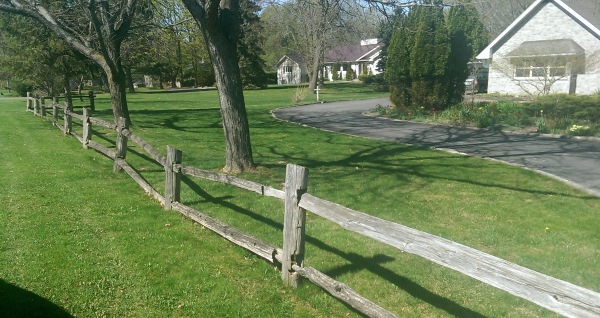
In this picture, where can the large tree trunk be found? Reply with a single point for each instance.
(117, 87)
(314, 78)
(314, 72)
(233, 108)
(129, 79)
(116, 78)
(68, 96)
(219, 21)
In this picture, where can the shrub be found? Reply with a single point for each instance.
(577, 107)
(271, 78)
(19, 88)
(487, 117)
(300, 94)
(349, 73)
(367, 79)
(379, 83)
(562, 111)
(335, 73)
(513, 114)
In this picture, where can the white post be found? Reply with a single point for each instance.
(317, 90)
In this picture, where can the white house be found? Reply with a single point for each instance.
(291, 69)
(552, 47)
(361, 58)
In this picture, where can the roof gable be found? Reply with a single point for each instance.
(353, 53)
(547, 48)
(584, 12)
(296, 58)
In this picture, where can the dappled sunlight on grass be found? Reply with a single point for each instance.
(499, 209)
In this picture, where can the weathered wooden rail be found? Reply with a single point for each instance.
(551, 293)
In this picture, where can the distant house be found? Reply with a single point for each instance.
(553, 46)
(291, 70)
(361, 58)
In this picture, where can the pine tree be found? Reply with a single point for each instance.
(252, 66)
(427, 56)
(397, 72)
(467, 37)
(428, 59)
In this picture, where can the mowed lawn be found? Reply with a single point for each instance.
(77, 239)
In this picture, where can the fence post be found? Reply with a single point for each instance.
(55, 113)
(36, 105)
(92, 102)
(43, 107)
(28, 101)
(296, 180)
(173, 177)
(121, 145)
(54, 110)
(67, 119)
(87, 128)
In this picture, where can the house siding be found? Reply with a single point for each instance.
(549, 23)
(296, 76)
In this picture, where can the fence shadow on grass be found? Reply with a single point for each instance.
(374, 265)
(357, 262)
(16, 302)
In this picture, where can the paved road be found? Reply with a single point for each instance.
(574, 161)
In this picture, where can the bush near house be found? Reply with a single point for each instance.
(377, 82)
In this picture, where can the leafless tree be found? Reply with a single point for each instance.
(310, 28)
(537, 75)
(499, 14)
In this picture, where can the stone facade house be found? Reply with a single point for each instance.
(552, 47)
(291, 69)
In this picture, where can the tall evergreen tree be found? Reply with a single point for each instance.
(417, 57)
(398, 63)
(252, 66)
(428, 58)
(468, 36)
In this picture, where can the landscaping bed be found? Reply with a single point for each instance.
(555, 114)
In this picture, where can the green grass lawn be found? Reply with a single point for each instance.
(90, 242)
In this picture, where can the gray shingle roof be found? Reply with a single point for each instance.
(547, 47)
(292, 56)
(351, 53)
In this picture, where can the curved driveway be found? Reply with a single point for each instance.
(574, 161)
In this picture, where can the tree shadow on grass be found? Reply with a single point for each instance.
(16, 302)
(356, 261)
(399, 162)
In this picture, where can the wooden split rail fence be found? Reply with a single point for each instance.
(556, 295)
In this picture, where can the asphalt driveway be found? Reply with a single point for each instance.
(574, 161)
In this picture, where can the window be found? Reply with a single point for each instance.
(287, 69)
(543, 66)
(547, 59)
